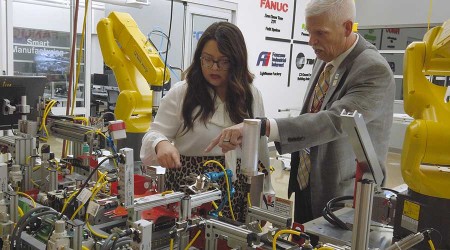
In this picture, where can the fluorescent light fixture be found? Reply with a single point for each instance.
(129, 3)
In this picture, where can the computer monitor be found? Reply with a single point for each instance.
(12, 88)
(99, 79)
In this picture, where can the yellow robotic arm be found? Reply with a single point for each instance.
(427, 140)
(136, 65)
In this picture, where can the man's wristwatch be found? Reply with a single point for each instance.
(262, 131)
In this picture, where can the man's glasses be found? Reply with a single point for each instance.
(208, 62)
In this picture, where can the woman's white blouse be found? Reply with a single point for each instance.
(168, 125)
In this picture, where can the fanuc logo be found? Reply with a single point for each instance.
(264, 59)
(274, 5)
(301, 60)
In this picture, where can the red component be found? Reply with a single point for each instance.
(116, 126)
(297, 239)
(358, 177)
(33, 193)
(140, 188)
(160, 213)
(93, 161)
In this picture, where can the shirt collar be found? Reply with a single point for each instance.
(338, 60)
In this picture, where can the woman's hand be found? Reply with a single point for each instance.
(167, 155)
(229, 139)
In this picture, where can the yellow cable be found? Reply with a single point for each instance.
(171, 244)
(248, 200)
(83, 119)
(285, 231)
(77, 211)
(95, 190)
(216, 207)
(166, 192)
(430, 242)
(29, 197)
(45, 111)
(429, 14)
(34, 183)
(68, 201)
(87, 215)
(27, 160)
(44, 118)
(84, 248)
(101, 133)
(193, 240)
(95, 233)
(20, 211)
(228, 184)
(80, 53)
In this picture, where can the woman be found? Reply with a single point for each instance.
(218, 92)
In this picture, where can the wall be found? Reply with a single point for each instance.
(279, 56)
(278, 93)
(407, 13)
(156, 16)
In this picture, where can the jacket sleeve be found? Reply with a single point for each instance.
(364, 90)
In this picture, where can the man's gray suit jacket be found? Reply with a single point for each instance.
(362, 82)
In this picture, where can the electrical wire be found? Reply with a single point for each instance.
(427, 236)
(29, 197)
(122, 243)
(430, 242)
(47, 110)
(20, 211)
(163, 35)
(106, 243)
(95, 233)
(285, 231)
(28, 217)
(166, 192)
(171, 244)
(66, 202)
(390, 190)
(91, 174)
(95, 190)
(80, 53)
(167, 47)
(193, 240)
(331, 205)
(228, 184)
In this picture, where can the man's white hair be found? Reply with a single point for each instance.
(338, 10)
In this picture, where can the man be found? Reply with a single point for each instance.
(349, 74)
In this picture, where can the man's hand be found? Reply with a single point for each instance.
(167, 155)
(229, 139)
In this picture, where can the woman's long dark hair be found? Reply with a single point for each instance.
(239, 98)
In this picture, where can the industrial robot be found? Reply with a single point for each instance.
(136, 64)
(425, 157)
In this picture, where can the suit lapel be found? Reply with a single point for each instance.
(343, 67)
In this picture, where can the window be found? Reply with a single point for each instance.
(392, 42)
